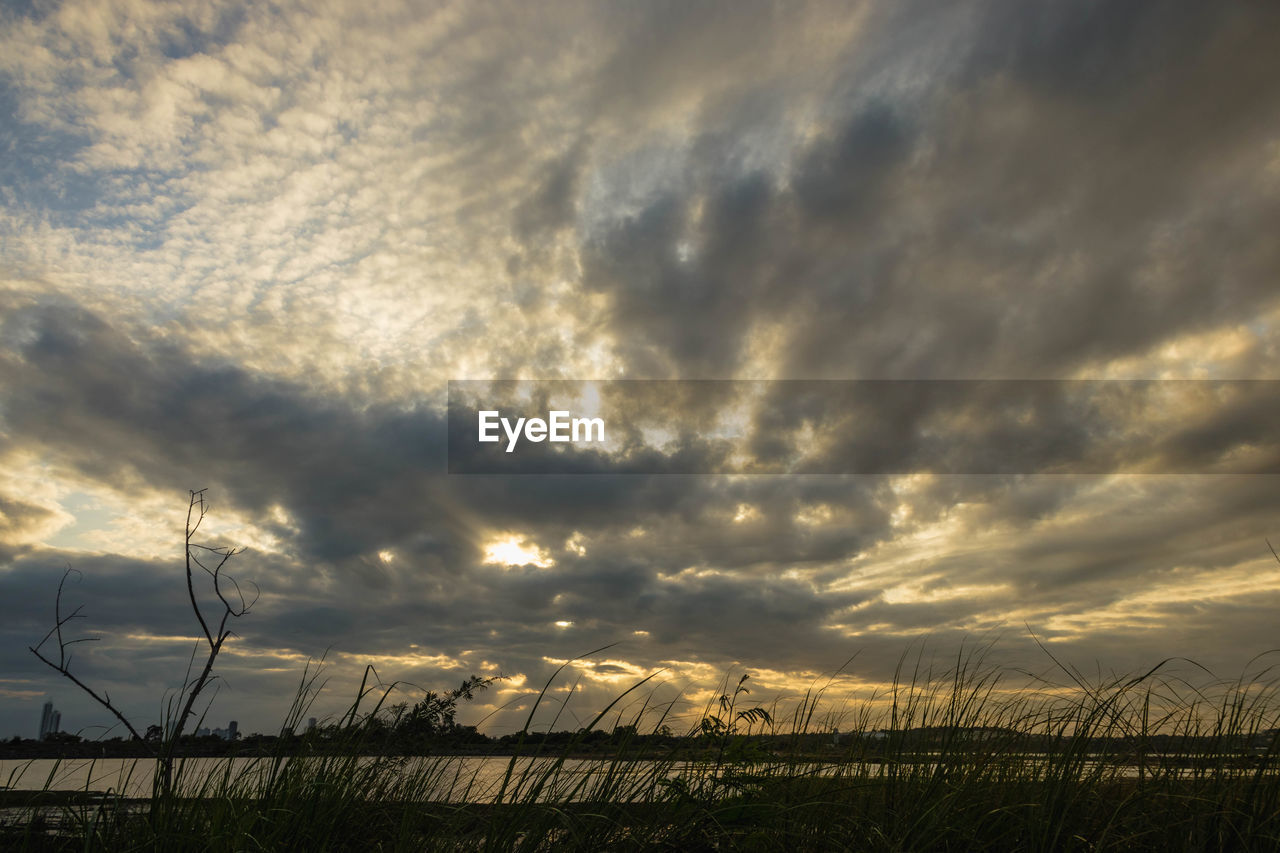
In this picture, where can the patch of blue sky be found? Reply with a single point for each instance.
(90, 515)
(36, 167)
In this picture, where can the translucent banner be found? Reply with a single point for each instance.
(863, 426)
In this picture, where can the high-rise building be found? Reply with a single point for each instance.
(231, 732)
(50, 720)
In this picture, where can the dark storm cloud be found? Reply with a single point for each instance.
(357, 480)
(1095, 49)
(126, 414)
(843, 177)
(1064, 194)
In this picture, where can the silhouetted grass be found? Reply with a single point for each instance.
(948, 758)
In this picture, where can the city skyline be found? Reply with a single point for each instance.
(50, 721)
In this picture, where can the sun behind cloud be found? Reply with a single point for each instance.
(514, 550)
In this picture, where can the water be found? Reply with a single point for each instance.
(475, 779)
(442, 778)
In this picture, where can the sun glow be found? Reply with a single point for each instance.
(515, 550)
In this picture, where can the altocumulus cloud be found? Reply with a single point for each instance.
(244, 248)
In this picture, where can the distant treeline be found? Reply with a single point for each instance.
(466, 740)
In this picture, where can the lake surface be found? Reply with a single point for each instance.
(475, 779)
(442, 778)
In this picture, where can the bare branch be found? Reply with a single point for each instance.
(103, 701)
(63, 665)
(185, 699)
(197, 499)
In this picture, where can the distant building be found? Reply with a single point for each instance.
(311, 724)
(50, 721)
(231, 732)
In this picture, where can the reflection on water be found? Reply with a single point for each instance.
(474, 779)
(440, 778)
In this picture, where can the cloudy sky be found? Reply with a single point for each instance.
(244, 247)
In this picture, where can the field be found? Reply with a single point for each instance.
(945, 759)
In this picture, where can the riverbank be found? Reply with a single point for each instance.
(776, 809)
(946, 761)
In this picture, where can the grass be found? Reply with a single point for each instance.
(950, 757)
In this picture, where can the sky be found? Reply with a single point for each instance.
(245, 247)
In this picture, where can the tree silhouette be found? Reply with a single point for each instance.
(232, 604)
